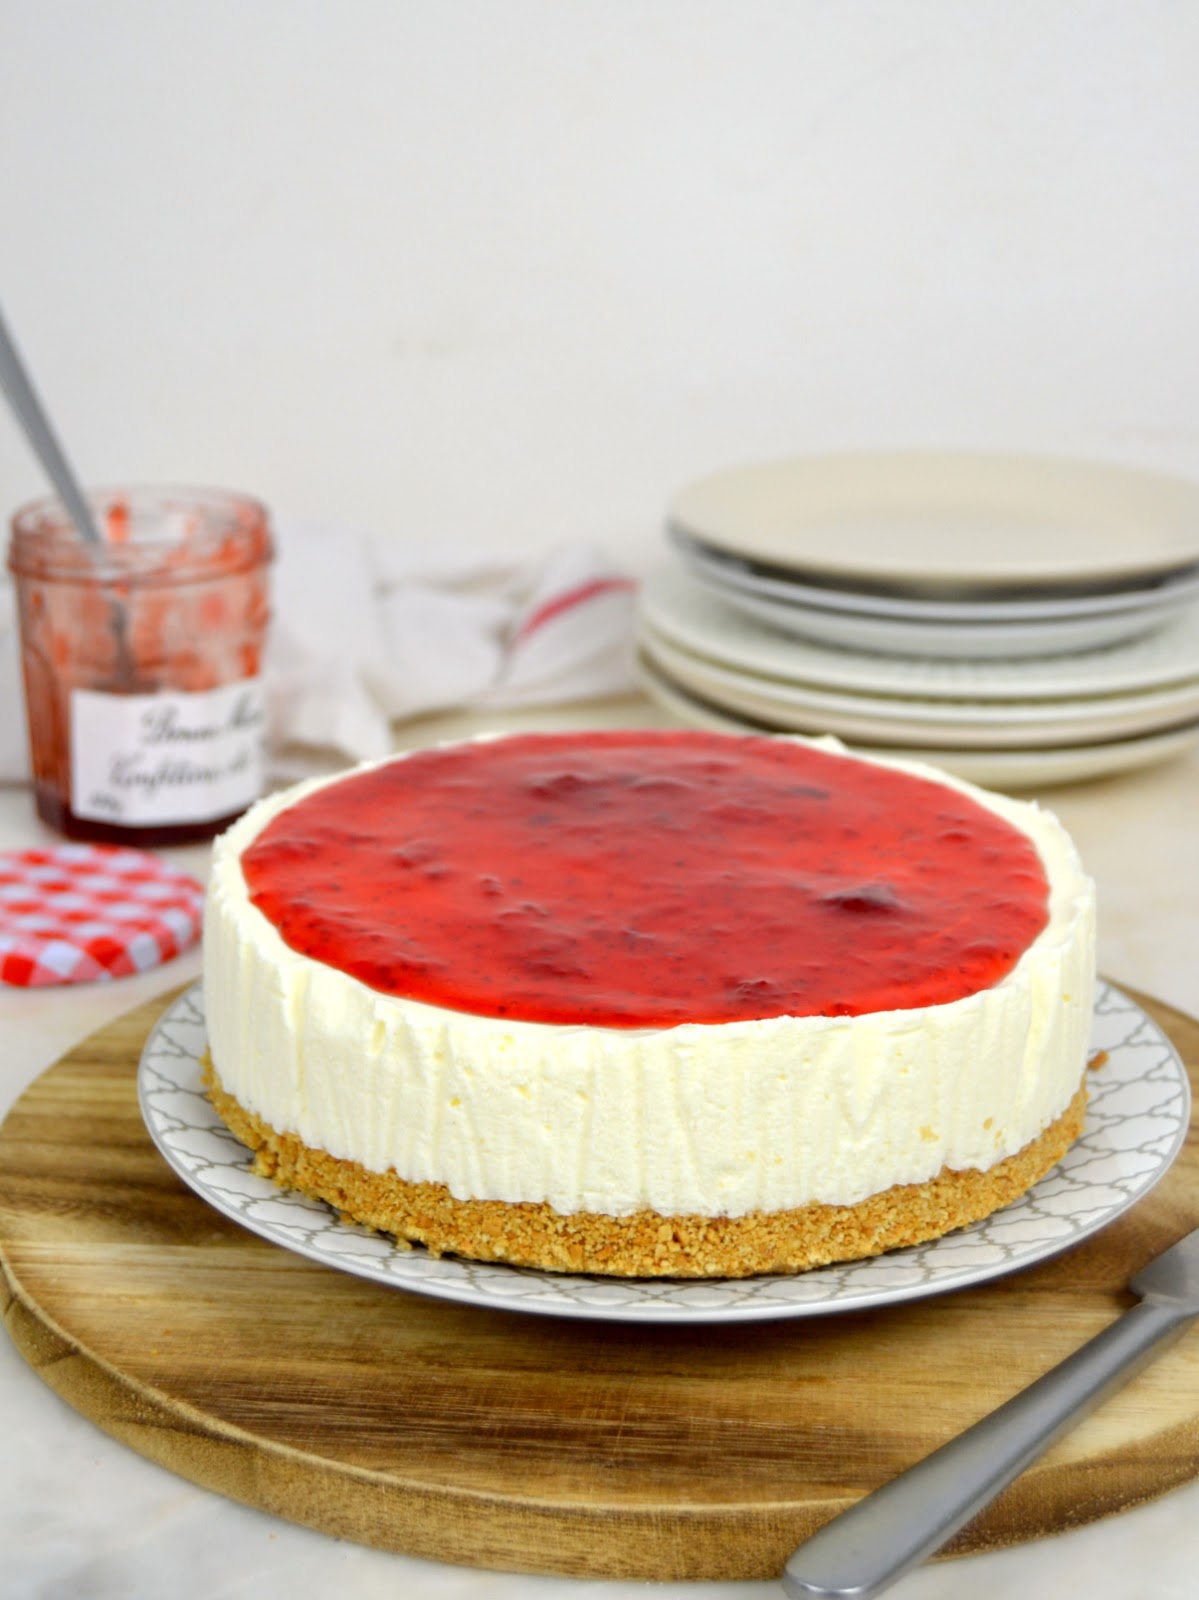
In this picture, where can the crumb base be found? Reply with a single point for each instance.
(647, 1244)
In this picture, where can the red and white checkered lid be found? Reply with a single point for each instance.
(83, 913)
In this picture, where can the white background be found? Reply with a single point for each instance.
(511, 271)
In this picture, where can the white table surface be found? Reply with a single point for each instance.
(82, 1516)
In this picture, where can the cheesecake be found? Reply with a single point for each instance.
(650, 1003)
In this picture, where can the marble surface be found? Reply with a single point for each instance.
(82, 1516)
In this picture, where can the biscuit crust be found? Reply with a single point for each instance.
(647, 1244)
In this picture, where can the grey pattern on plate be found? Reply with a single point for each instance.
(1136, 1122)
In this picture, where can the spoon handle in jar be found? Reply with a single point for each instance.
(28, 408)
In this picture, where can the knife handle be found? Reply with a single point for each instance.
(859, 1553)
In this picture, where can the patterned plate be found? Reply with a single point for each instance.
(1136, 1122)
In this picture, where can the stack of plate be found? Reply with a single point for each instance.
(1020, 621)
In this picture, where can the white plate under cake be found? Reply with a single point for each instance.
(651, 1003)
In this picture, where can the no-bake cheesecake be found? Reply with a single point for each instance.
(651, 1003)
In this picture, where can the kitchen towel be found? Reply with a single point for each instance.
(371, 632)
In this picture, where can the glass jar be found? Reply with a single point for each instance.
(141, 656)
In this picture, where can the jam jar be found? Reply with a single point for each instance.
(141, 656)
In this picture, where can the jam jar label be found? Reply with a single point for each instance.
(167, 757)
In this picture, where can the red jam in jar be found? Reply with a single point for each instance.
(142, 656)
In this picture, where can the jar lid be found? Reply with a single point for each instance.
(83, 913)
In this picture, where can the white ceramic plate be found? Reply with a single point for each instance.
(965, 724)
(997, 769)
(1156, 597)
(1136, 1123)
(683, 611)
(901, 636)
(1053, 633)
(948, 521)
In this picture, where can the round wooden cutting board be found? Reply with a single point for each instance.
(495, 1439)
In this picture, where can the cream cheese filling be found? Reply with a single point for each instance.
(709, 1119)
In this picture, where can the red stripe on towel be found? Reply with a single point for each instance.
(568, 601)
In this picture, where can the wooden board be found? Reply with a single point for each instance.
(494, 1439)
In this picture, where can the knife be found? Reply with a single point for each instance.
(865, 1549)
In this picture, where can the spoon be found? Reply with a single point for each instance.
(21, 395)
(30, 413)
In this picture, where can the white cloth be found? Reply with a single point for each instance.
(367, 632)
